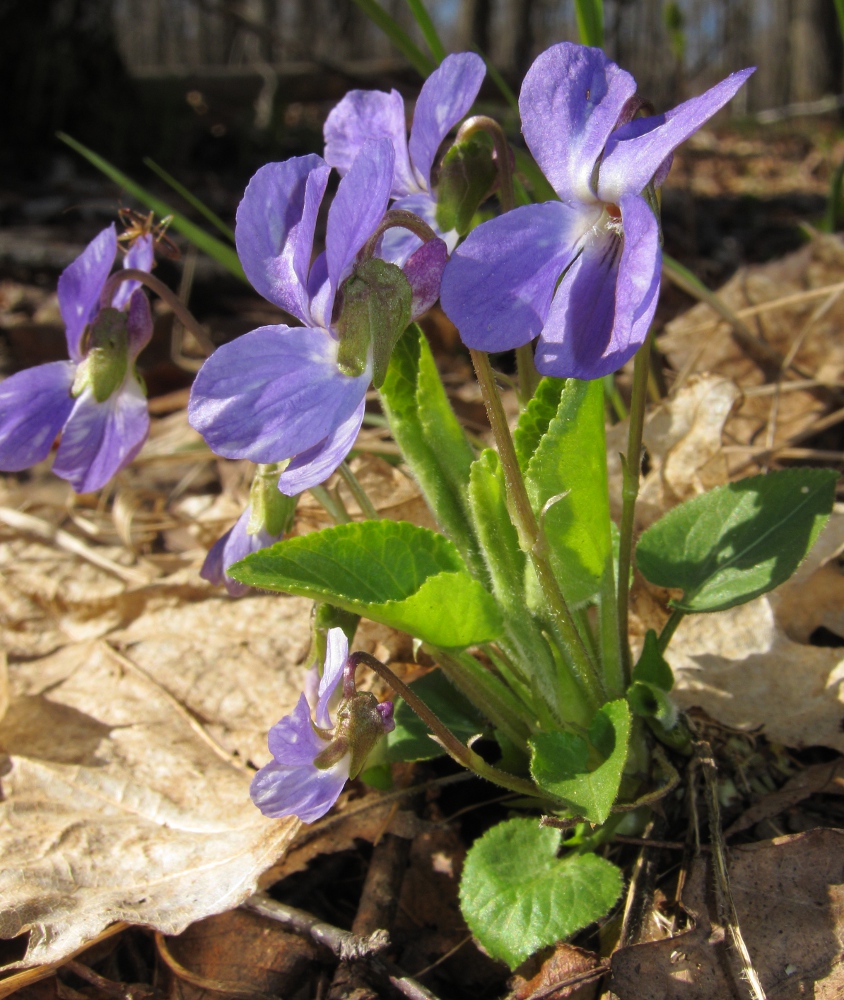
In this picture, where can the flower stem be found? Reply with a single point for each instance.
(669, 628)
(454, 748)
(631, 472)
(531, 538)
(186, 317)
(358, 492)
(333, 506)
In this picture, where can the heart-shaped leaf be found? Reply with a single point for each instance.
(517, 896)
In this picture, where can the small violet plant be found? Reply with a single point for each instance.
(520, 597)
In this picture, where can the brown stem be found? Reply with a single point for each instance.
(186, 317)
(398, 218)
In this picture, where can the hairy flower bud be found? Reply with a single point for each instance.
(466, 176)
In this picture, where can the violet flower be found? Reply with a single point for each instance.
(312, 758)
(95, 399)
(277, 393)
(445, 98)
(503, 285)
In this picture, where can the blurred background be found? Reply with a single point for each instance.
(212, 89)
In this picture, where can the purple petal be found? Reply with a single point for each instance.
(34, 405)
(424, 271)
(80, 285)
(359, 205)
(140, 256)
(234, 545)
(570, 102)
(605, 303)
(273, 393)
(306, 792)
(330, 686)
(635, 152)
(398, 244)
(275, 230)
(314, 466)
(498, 285)
(369, 114)
(100, 439)
(138, 323)
(446, 96)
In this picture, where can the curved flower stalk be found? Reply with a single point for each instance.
(95, 399)
(280, 392)
(446, 96)
(313, 756)
(503, 284)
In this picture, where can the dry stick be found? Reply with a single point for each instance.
(343, 944)
(379, 901)
(727, 915)
(188, 321)
(530, 537)
(27, 524)
(642, 882)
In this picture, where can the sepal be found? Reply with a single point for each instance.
(466, 177)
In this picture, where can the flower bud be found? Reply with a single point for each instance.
(466, 177)
(375, 312)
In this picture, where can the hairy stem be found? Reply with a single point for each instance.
(669, 628)
(454, 748)
(186, 317)
(530, 537)
(358, 492)
(629, 492)
(333, 506)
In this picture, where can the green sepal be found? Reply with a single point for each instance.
(652, 667)
(738, 541)
(518, 896)
(585, 775)
(106, 346)
(375, 311)
(270, 509)
(466, 177)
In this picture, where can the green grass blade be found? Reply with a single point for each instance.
(216, 249)
(590, 21)
(190, 198)
(398, 36)
(539, 184)
(839, 10)
(428, 29)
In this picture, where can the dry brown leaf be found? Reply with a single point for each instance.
(752, 666)
(683, 440)
(819, 779)
(566, 964)
(121, 800)
(789, 896)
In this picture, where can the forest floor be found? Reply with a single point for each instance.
(135, 698)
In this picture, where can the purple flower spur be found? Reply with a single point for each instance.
(446, 96)
(583, 272)
(95, 399)
(279, 392)
(313, 757)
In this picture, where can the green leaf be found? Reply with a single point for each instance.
(390, 571)
(432, 441)
(569, 462)
(411, 739)
(191, 199)
(585, 775)
(536, 417)
(429, 31)
(652, 667)
(216, 249)
(651, 702)
(398, 36)
(517, 896)
(737, 541)
(590, 22)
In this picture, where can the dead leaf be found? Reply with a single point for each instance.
(566, 964)
(827, 779)
(789, 897)
(121, 799)
(752, 666)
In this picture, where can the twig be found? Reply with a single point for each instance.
(641, 888)
(727, 915)
(120, 991)
(345, 945)
(27, 524)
